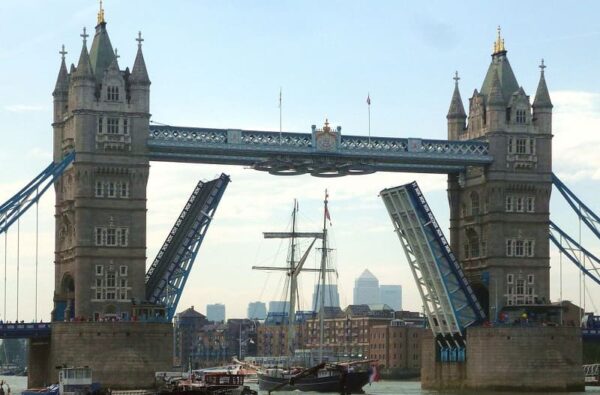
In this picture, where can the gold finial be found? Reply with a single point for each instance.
(101, 14)
(326, 128)
(499, 43)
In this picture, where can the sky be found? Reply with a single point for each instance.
(222, 63)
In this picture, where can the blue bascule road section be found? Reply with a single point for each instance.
(448, 300)
(168, 274)
(322, 153)
(13, 208)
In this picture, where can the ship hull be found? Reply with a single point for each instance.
(352, 383)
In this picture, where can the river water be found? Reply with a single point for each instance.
(17, 384)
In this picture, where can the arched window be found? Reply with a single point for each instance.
(473, 242)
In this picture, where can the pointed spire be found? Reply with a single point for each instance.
(101, 14)
(62, 83)
(84, 68)
(495, 96)
(542, 96)
(499, 43)
(139, 73)
(101, 52)
(456, 110)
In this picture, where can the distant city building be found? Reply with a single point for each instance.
(391, 295)
(257, 311)
(366, 289)
(187, 325)
(279, 306)
(332, 297)
(215, 312)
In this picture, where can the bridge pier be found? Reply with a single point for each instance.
(509, 359)
(122, 355)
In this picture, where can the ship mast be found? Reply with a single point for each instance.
(291, 329)
(323, 269)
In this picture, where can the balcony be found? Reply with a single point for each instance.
(113, 142)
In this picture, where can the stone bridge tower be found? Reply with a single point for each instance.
(102, 112)
(499, 215)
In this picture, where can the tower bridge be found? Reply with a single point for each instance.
(499, 167)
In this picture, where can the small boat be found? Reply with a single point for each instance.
(208, 383)
(70, 381)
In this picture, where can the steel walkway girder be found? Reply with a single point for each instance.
(273, 151)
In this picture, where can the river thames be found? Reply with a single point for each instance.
(18, 383)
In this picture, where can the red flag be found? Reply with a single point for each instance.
(369, 99)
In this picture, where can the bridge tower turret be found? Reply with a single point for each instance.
(499, 214)
(101, 112)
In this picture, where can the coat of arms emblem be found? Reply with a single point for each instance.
(326, 139)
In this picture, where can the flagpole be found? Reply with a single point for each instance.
(369, 109)
(280, 135)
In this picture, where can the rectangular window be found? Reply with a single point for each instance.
(522, 146)
(530, 204)
(99, 282)
(509, 204)
(483, 248)
(122, 270)
(99, 294)
(123, 283)
(520, 206)
(122, 235)
(112, 93)
(519, 248)
(99, 237)
(99, 189)
(100, 125)
(520, 287)
(124, 189)
(530, 279)
(110, 280)
(511, 145)
(99, 270)
(110, 295)
(123, 294)
(112, 125)
(529, 248)
(125, 126)
(467, 250)
(510, 278)
(520, 118)
(111, 237)
(112, 190)
(532, 146)
(509, 247)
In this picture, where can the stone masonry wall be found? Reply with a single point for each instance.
(122, 355)
(510, 358)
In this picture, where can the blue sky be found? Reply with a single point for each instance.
(222, 63)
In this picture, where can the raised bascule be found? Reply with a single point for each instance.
(113, 315)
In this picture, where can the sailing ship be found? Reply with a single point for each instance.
(342, 378)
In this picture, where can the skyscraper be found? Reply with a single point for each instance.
(366, 289)
(257, 311)
(215, 312)
(279, 306)
(391, 295)
(332, 297)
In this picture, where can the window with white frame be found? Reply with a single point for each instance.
(510, 278)
(112, 125)
(530, 279)
(125, 126)
(520, 204)
(100, 125)
(124, 189)
(111, 236)
(521, 145)
(112, 93)
(99, 270)
(111, 189)
(520, 248)
(521, 116)
(530, 204)
(509, 203)
(111, 284)
(122, 270)
(99, 190)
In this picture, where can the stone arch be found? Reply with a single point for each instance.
(67, 284)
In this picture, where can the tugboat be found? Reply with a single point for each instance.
(341, 378)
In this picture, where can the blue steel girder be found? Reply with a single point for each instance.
(27, 330)
(448, 299)
(166, 277)
(17, 205)
(303, 153)
(568, 246)
(581, 209)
